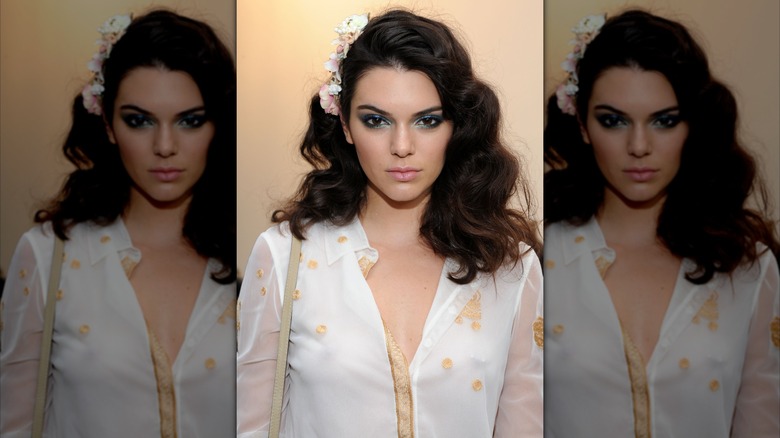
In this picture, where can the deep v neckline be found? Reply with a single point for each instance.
(601, 266)
(390, 340)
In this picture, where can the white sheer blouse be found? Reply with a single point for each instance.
(109, 377)
(476, 373)
(715, 371)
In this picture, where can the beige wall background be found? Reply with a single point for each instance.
(282, 45)
(742, 41)
(44, 48)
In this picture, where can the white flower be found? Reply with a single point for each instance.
(111, 31)
(349, 30)
(589, 24)
(585, 31)
(353, 24)
(115, 24)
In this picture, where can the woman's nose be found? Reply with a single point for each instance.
(165, 142)
(402, 144)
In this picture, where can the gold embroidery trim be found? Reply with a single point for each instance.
(402, 386)
(709, 311)
(774, 329)
(538, 327)
(602, 264)
(639, 391)
(166, 396)
(128, 265)
(230, 312)
(365, 265)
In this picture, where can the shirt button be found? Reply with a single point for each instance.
(476, 385)
(714, 385)
(210, 363)
(684, 363)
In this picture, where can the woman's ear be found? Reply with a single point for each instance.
(109, 130)
(583, 131)
(345, 127)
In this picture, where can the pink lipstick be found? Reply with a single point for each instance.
(403, 174)
(166, 174)
(640, 174)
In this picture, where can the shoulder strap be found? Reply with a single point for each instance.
(284, 338)
(48, 328)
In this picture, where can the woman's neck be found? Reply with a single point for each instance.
(153, 224)
(629, 224)
(392, 224)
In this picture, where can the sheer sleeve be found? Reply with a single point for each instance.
(22, 327)
(758, 401)
(259, 315)
(520, 408)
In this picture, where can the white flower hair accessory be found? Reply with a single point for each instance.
(110, 32)
(349, 30)
(584, 32)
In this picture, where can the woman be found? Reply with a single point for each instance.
(663, 296)
(418, 288)
(146, 299)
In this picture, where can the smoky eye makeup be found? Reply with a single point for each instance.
(610, 120)
(193, 121)
(374, 120)
(429, 121)
(136, 120)
(667, 120)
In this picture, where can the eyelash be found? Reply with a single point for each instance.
(667, 121)
(614, 121)
(374, 121)
(192, 121)
(138, 121)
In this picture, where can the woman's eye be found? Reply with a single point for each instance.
(667, 121)
(374, 121)
(193, 121)
(429, 122)
(135, 120)
(611, 120)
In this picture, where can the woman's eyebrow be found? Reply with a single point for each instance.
(146, 112)
(666, 110)
(385, 113)
(622, 113)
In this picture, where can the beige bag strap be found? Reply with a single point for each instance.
(48, 328)
(284, 338)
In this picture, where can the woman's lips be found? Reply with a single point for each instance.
(640, 174)
(166, 174)
(403, 174)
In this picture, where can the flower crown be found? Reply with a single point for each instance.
(110, 32)
(349, 30)
(584, 32)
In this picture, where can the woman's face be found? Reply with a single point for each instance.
(163, 134)
(637, 134)
(400, 134)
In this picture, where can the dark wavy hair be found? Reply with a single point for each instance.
(99, 189)
(468, 217)
(705, 216)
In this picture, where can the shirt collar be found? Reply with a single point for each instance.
(104, 240)
(586, 239)
(343, 240)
